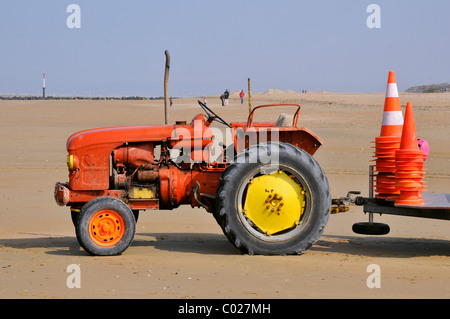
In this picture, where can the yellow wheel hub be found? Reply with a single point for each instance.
(274, 202)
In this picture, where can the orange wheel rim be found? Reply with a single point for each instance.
(106, 228)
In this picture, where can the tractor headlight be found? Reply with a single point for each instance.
(72, 162)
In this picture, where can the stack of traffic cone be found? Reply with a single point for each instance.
(409, 164)
(388, 142)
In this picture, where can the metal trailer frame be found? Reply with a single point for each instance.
(435, 206)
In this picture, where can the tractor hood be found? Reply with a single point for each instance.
(119, 134)
(135, 134)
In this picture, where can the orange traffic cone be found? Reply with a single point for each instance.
(392, 123)
(388, 142)
(409, 164)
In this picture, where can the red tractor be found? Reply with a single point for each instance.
(266, 191)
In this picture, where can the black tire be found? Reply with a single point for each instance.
(136, 214)
(367, 228)
(75, 216)
(308, 174)
(111, 213)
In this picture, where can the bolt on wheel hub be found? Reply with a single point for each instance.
(274, 203)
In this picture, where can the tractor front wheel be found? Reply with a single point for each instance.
(106, 226)
(276, 206)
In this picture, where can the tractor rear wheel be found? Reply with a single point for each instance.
(106, 226)
(275, 207)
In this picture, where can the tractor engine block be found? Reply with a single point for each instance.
(133, 168)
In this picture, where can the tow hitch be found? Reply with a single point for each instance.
(341, 205)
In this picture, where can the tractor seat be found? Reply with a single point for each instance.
(284, 120)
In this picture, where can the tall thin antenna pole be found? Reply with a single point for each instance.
(166, 82)
(43, 86)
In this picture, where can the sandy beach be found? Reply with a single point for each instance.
(183, 253)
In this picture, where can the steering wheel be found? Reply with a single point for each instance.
(211, 115)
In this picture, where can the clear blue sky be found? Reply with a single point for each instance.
(214, 45)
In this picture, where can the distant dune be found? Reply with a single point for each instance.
(431, 88)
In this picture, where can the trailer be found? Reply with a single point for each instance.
(435, 206)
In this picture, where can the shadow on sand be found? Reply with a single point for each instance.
(382, 246)
(216, 244)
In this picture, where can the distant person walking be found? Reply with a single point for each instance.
(241, 95)
(226, 95)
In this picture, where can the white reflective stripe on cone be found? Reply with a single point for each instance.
(392, 118)
(391, 90)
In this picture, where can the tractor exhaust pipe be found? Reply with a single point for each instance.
(166, 83)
